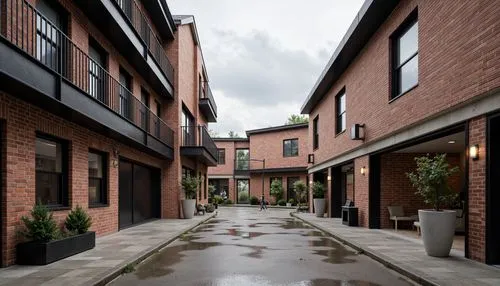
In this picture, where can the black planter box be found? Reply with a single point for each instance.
(42, 253)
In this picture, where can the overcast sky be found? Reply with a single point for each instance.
(264, 56)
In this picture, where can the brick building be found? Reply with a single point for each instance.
(249, 165)
(412, 78)
(103, 104)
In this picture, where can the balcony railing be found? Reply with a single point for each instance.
(30, 31)
(135, 15)
(198, 136)
(206, 92)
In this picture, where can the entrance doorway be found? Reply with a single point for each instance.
(139, 193)
(243, 191)
(492, 190)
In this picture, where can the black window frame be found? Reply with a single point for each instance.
(125, 94)
(290, 154)
(103, 200)
(219, 152)
(271, 179)
(245, 163)
(339, 113)
(405, 26)
(316, 132)
(97, 71)
(63, 196)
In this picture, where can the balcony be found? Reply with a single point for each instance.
(197, 144)
(41, 65)
(245, 167)
(125, 25)
(207, 103)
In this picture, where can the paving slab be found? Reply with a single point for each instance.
(106, 261)
(407, 255)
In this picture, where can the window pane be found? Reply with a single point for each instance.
(343, 122)
(95, 191)
(48, 176)
(408, 44)
(408, 75)
(295, 147)
(95, 165)
(342, 104)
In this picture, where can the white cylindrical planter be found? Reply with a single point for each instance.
(319, 207)
(438, 229)
(188, 207)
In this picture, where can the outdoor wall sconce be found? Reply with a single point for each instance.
(329, 178)
(358, 132)
(363, 170)
(310, 159)
(474, 152)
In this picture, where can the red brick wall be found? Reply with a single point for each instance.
(228, 167)
(22, 120)
(449, 74)
(396, 189)
(477, 186)
(269, 146)
(361, 190)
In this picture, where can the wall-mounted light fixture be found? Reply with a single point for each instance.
(329, 178)
(310, 159)
(363, 170)
(474, 152)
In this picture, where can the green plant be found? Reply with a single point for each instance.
(301, 191)
(431, 180)
(41, 226)
(281, 202)
(291, 201)
(128, 268)
(218, 200)
(78, 221)
(211, 190)
(243, 197)
(209, 208)
(318, 190)
(190, 185)
(254, 200)
(277, 190)
(228, 202)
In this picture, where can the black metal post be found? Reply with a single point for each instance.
(263, 167)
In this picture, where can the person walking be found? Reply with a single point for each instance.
(262, 203)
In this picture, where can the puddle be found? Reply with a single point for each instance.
(314, 233)
(242, 234)
(216, 220)
(337, 254)
(294, 224)
(333, 282)
(254, 280)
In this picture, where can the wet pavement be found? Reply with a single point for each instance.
(243, 246)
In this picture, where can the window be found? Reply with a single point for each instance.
(242, 159)
(97, 179)
(272, 179)
(51, 176)
(340, 112)
(222, 156)
(125, 83)
(291, 148)
(405, 56)
(143, 110)
(315, 132)
(50, 22)
(289, 187)
(188, 129)
(97, 63)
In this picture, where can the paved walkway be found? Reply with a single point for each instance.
(407, 255)
(106, 261)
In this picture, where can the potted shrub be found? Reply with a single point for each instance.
(318, 190)
(276, 190)
(47, 243)
(301, 192)
(282, 203)
(189, 185)
(211, 192)
(254, 200)
(291, 202)
(436, 225)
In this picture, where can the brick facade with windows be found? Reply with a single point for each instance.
(458, 87)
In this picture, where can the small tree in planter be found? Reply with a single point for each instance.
(190, 186)
(276, 190)
(46, 243)
(301, 191)
(318, 190)
(211, 192)
(431, 181)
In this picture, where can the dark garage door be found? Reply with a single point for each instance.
(139, 193)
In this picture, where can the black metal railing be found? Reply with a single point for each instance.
(206, 92)
(198, 136)
(30, 31)
(135, 15)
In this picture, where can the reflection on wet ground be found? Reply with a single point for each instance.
(244, 247)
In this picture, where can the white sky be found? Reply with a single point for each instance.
(264, 56)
